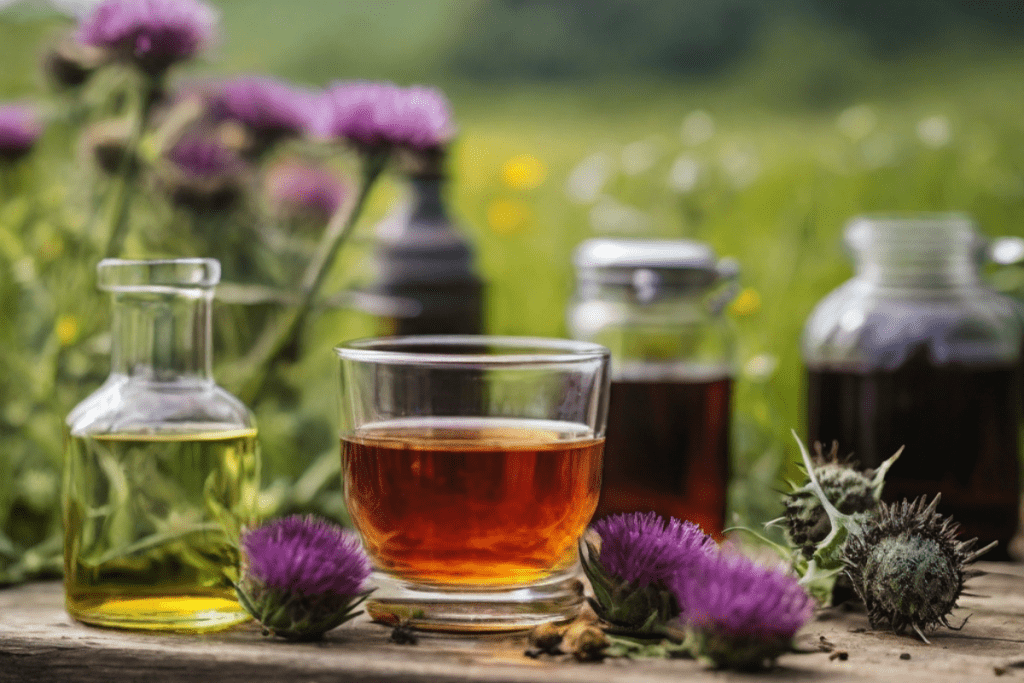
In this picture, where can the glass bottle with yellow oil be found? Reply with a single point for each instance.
(162, 465)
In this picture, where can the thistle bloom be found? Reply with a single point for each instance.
(153, 33)
(643, 549)
(640, 556)
(301, 190)
(384, 114)
(741, 615)
(270, 109)
(302, 576)
(19, 130)
(202, 173)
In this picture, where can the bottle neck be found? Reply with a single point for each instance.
(426, 201)
(163, 336)
(937, 258)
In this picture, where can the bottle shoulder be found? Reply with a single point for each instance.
(123, 405)
(858, 325)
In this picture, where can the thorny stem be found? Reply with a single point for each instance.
(279, 336)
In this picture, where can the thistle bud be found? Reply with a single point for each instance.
(908, 567)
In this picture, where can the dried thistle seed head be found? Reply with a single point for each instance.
(852, 491)
(908, 567)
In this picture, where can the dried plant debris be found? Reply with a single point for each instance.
(908, 567)
(583, 639)
(403, 634)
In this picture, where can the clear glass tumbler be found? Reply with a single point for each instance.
(471, 465)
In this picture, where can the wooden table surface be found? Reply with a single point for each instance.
(39, 642)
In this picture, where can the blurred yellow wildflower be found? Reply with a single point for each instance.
(67, 329)
(506, 216)
(747, 303)
(523, 172)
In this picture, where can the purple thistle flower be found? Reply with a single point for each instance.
(202, 174)
(302, 190)
(270, 108)
(643, 549)
(640, 555)
(742, 614)
(302, 576)
(153, 33)
(202, 158)
(19, 130)
(306, 556)
(382, 114)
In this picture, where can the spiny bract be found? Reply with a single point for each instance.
(852, 492)
(908, 567)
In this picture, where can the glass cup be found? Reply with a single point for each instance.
(471, 465)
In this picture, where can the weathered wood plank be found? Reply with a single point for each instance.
(39, 642)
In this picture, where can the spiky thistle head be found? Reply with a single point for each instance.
(852, 491)
(302, 576)
(908, 567)
(632, 567)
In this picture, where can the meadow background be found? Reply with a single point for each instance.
(760, 127)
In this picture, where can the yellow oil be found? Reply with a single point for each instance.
(152, 523)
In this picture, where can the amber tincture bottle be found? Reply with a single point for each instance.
(161, 465)
(657, 304)
(916, 351)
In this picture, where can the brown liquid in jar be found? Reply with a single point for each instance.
(667, 450)
(959, 426)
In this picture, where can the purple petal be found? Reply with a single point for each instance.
(730, 595)
(644, 549)
(156, 32)
(306, 556)
(383, 113)
(298, 187)
(19, 128)
(267, 105)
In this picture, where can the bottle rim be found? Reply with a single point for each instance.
(150, 275)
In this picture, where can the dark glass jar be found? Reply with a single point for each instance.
(657, 304)
(916, 351)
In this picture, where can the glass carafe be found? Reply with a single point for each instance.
(161, 466)
(916, 351)
(658, 305)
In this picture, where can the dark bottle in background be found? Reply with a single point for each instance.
(916, 351)
(424, 263)
(657, 304)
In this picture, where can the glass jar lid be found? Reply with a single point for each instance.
(670, 263)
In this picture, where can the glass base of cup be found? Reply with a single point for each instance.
(458, 609)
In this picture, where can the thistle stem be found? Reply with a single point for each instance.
(118, 200)
(285, 331)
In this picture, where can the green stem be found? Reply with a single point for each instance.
(119, 197)
(285, 331)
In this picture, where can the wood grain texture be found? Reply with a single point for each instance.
(39, 642)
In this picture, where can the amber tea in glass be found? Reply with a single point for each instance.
(471, 466)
